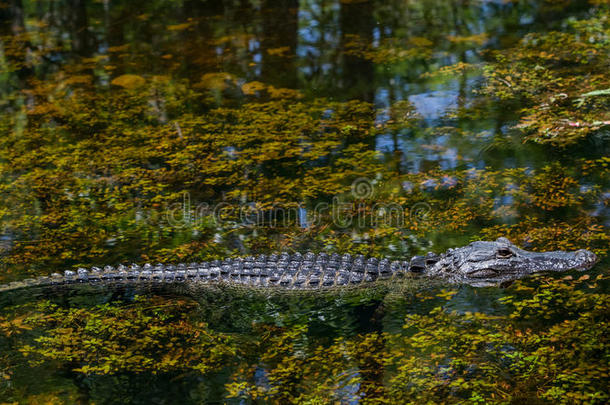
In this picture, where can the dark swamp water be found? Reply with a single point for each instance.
(183, 131)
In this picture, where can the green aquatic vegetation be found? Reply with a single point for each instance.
(96, 169)
(546, 340)
(456, 199)
(559, 77)
(133, 152)
(391, 50)
(151, 336)
(95, 153)
(482, 358)
(459, 68)
(145, 109)
(453, 357)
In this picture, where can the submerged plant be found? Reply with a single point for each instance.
(546, 340)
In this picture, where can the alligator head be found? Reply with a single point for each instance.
(483, 264)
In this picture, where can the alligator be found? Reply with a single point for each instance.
(478, 264)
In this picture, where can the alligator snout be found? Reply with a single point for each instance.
(586, 258)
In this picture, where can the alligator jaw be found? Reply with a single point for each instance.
(580, 260)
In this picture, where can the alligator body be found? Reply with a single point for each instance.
(479, 264)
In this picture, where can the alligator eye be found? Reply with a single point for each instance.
(504, 253)
(431, 260)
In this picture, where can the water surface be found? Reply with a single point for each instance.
(167, 131)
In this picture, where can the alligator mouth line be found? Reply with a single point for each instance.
(484, 273)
